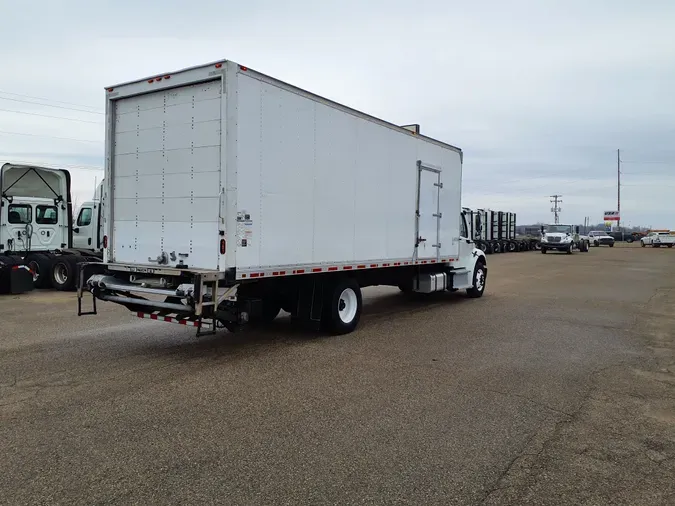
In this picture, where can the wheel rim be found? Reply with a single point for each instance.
(347, 305)
(480, 279)
(60, 274)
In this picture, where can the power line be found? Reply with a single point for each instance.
(50, 105)
(46, 99)
(54, 117)
(49, 137)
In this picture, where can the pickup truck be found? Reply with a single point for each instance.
(657, 239)
(600, 238)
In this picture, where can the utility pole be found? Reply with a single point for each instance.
(618, 187)
(555, 209)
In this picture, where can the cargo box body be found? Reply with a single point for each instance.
(222, 168)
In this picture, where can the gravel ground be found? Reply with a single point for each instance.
(556, 387)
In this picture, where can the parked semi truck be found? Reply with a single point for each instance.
(231, 195)
(495, 231)
(36, 225)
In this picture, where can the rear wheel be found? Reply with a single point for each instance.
(611, 244)
(342, 307)
(41, 265)
(543, 250)
(64, 272)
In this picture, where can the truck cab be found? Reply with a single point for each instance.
(88, 223)
(563, 238)
(35, 209)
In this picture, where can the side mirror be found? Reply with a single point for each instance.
(576, 229)
(76, 230)
(542, 229)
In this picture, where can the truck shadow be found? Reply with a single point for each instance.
(283, 332)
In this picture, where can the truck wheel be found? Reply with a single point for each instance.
(642, 244)
(543, 250)
(270, 310)
(41, 265)
(64, 272)
(479, 279)
(343, 307)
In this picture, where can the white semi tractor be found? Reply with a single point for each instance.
(36, 225)
(231, 195)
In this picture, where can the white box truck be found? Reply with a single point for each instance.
(231, 195)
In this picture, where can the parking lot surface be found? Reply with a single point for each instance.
(556, 387)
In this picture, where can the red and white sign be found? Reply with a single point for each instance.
(611, 216)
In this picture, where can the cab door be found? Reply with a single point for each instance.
(83, 229)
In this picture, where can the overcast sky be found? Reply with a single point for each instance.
(538, 94)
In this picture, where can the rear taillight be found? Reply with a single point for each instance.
(105, 241)
(223, 246)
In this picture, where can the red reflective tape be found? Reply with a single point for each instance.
(347, 267)
(153, 316)
(424, 261)
(385, 265)
(243, 275)
(360, 266)
(433, 261)
(275, 273)
(183, 322)
(316, 269)
(282, 273)
(405, 263)
(332, 268)
(168, 319)
(299, 271)
(255, 274)
(397, 263)
(373, 265)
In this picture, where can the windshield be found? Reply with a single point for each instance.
(559, 229)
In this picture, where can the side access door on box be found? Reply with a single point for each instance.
(428, 213)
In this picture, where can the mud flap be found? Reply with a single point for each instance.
(311, 296)
(15, 277)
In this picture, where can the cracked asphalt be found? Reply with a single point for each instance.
(557, 387)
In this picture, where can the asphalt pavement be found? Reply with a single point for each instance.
(556, 387)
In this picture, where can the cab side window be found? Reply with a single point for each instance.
(84, 218)
(462, 226)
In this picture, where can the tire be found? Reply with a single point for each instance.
(41, 265)
(479, 281)
(342, 307)
(513, 246)
(596, 243)
(543, 250)
(489, 248)
(670, 245)
(64, 272)
(569, 250)
(270, 310)
(611, 245)
(642, 244)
